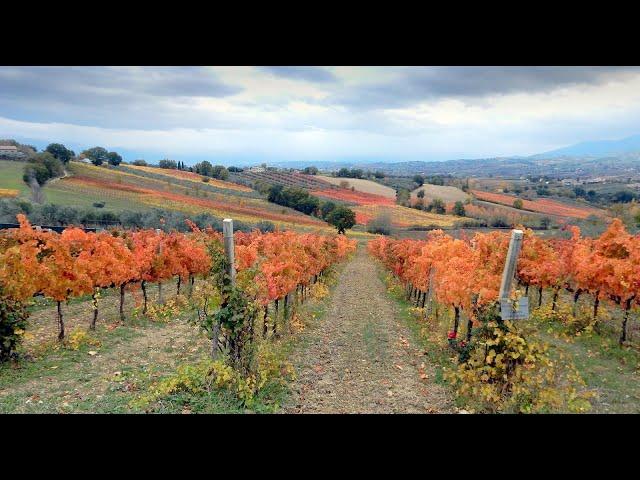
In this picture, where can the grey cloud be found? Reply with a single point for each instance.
(415, 84)
(310, 74)
(124, 97)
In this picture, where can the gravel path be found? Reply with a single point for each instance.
(361, 358)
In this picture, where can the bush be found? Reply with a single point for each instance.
(98, 204)
(505, 372)
(380, 224)
(517, 203)
(13, 322)
(471, 223)
(265, 226)
(458, 209)
(139, 163)
(437, 206)
(168, 164)
(498, 221)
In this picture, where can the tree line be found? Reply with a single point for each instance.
(299, 199)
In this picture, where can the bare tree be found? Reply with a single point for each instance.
(37, 195)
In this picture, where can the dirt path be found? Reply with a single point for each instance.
(361, 358)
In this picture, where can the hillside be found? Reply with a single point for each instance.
(362, 185)
(445, 193)
(543, 205)
(595, 148)
(129, 188)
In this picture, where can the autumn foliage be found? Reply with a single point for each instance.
(542, 205)
(467, 272)
(76, 263)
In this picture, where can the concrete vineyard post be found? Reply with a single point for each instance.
(510, 264)
(512, 310)
(227, 231)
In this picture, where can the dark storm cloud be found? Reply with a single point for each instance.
(416, 84)
(309, 74)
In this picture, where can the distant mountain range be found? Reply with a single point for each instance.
(597, 148)
(584, 159)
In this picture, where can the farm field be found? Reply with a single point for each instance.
(403, 216)
(124, 189)
(362, 185)
(445, 193)
(193, 177)
(11, 177)
(353, 197)
(546, 206)
(286, 179)
(385, 354)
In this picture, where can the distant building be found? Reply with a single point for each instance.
(10, 152)
(569, 182)
(594, 180)
(257, 169)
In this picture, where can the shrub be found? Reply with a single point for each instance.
(458, 209)
(265, 226)
(437, 206)
(169, 164)
(380, 224)
(517, 203)
(13, 322)
(98, 204)
(505, 372)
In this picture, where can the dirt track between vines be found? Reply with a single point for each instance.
(361, 358)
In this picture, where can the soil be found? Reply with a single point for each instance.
(361, 358)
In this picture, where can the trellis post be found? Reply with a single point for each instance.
(507, 310)
(227, 233)
(510, 263)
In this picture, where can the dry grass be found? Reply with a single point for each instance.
(444, 193)
(362, 185)
(403, 216)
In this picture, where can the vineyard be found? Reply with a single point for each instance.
(549, 207)
(442, 274)
(275, 272)
(298, 180)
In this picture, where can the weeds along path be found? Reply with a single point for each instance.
(361, 358)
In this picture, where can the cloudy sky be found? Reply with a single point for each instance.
(255, 114)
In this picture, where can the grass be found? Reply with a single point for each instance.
(445, 193)
(611, 372)
(11, 176)
(117, 363)
(362, 185)
(425, 334)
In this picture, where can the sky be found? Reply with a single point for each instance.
(240, 115)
